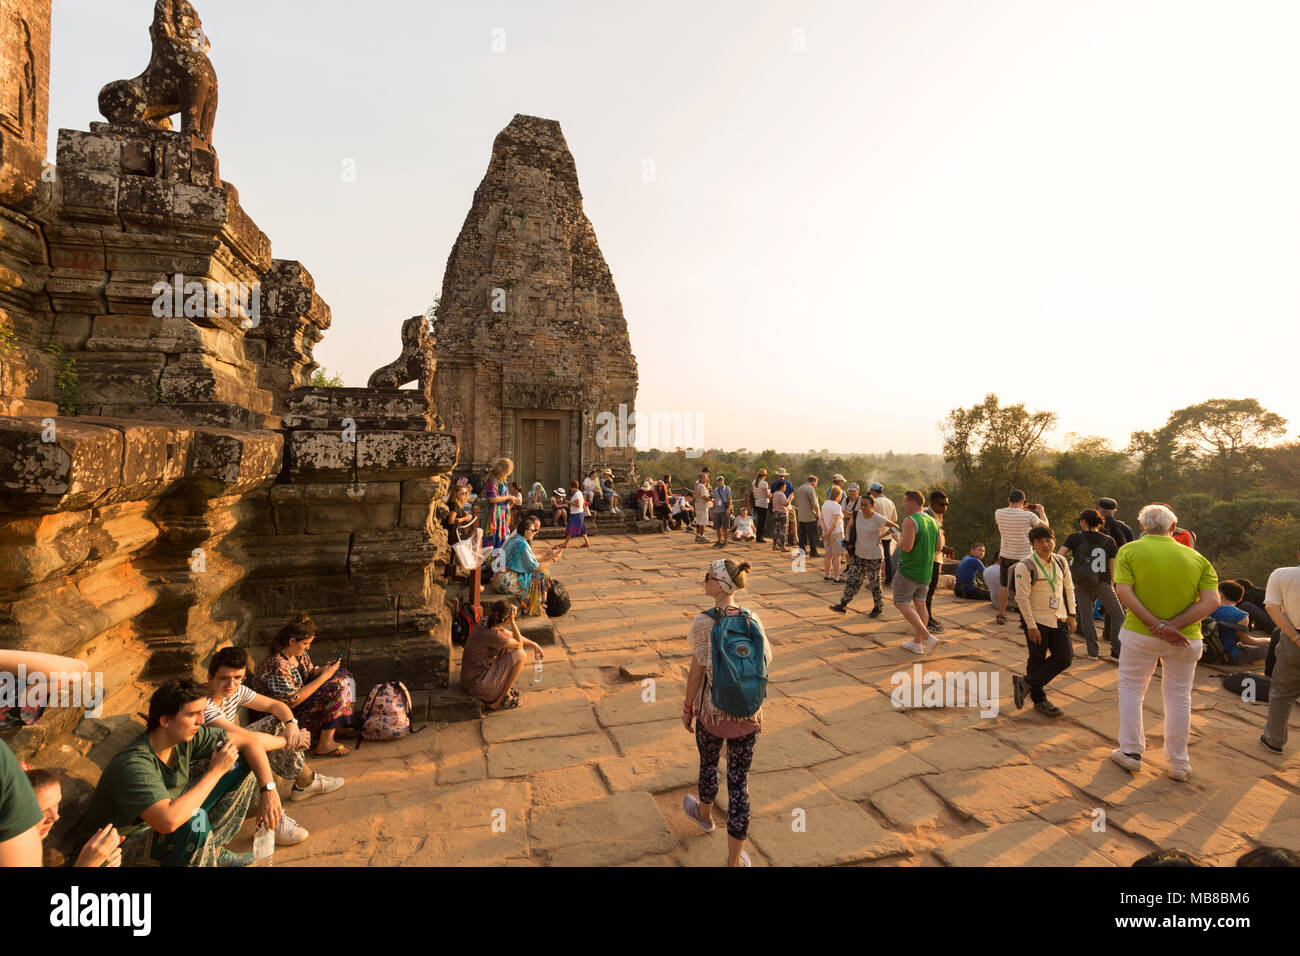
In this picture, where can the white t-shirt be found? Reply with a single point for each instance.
(702, 497)
(832, 518)
(744, 525)
(577, 504)
(1284, 589)
(590, 487)
(1013, 527)
(760, 494)
(229, 708)
(867, 544)
(886, 507)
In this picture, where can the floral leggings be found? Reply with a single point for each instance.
(861, 569)
(778, 531)
(740, 754)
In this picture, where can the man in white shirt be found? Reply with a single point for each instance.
(1014, 523)
(759, 489)
(703, 499)
(886, 509)
(1282, 601)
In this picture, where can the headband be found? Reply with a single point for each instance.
(719, 569)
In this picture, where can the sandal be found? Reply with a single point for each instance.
(1002, 619)
(510, 702)
(339, 751)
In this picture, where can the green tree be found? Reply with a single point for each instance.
(1226, 435)
(320, 379)
(1270, 544)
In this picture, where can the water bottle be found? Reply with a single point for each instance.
(537, 673)
(263, 847)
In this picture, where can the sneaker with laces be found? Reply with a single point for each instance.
(287, 831)
(1127, 761)
(1180, 775)
(1019, 689)
(930, 644)
(1047, 708)
(912, 646)
(320, 783)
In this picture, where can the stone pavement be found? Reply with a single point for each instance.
(591, 771)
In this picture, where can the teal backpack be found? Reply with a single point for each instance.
(739, 665)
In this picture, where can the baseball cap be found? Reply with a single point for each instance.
(837, 477)
(876, 486)
(853, 487)
(1109, 504)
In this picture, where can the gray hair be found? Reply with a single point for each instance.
(1157, 519)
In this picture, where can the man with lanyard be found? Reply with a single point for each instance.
(885, 508)
(1045, 595)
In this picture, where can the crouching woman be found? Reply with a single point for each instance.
(494, 657)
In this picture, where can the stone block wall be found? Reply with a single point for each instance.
(168, 483)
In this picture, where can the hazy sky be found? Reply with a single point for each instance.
(863, 214)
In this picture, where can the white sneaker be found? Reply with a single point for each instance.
(287, 832)
(320, 783)
(1180, 775)
(912, 646)
(931, 643)
(1125, 761)
(691, 805)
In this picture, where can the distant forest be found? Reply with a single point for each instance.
(1223, 465)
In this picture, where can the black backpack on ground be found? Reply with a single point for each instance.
(557, 600)
(1235, 683)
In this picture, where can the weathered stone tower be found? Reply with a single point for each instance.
(531, 340)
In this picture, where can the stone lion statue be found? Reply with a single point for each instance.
(178, 79)
(415, 364)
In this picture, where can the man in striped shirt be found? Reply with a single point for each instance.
(1014, 522)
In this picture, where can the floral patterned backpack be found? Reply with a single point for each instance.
(387, 712)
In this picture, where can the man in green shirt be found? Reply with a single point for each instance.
(168, 818)
(1167, 589)
(922, 537)
(20, 814)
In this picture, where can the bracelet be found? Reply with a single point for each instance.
(688, 709)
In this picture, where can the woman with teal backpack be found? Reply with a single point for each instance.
(730, 655)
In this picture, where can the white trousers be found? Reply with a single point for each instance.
(1137, 662)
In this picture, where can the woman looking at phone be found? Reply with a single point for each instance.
(321, 698)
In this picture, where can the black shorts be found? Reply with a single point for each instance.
(1008, 567)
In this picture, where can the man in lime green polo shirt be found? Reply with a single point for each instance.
(1168, 589)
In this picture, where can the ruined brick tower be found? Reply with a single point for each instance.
(531, 341)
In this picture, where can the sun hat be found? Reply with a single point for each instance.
(782, 473)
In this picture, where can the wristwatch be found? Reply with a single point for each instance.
(270, 787)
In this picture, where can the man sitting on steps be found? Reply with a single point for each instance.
(283, 740)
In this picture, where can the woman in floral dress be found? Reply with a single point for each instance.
(321, 698)
(497, 499)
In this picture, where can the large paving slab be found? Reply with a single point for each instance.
(591, 769)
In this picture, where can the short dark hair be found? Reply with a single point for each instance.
(915, 497)
(1091, 518)
(236, 658)
(1042, 531)
(1170, 858)
(938, 498)
(174, 694)
(1233, 591)
(525, 519)
(1269, 856)
(1016, 495)
(1246, 582)
(42, 777)
(299, 629)
(977, 544)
